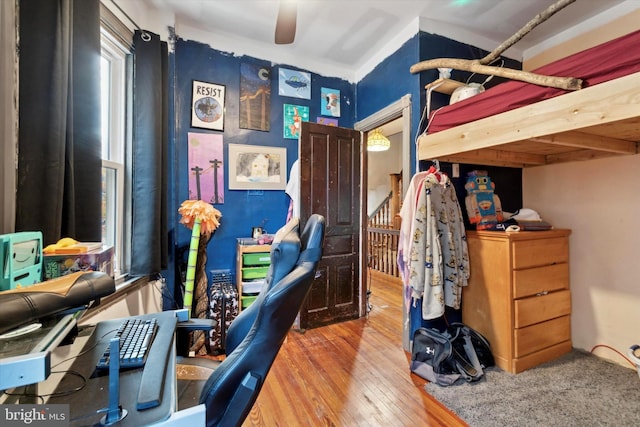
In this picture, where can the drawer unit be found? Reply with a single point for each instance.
(252, 264)
(258, 258)
(247, 300)
(519, 296)
(253, 286)
(254, 272)
(538, 280)
(537, 309)
(537, 252)
(541, 335)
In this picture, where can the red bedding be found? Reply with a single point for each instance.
(608, 61)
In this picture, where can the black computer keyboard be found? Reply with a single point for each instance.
(136, 336)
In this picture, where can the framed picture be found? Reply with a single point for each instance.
(207, 105)
(327, 121)
(255, 167)
(296, 84)
(255, 96)
(330, 102)
(293, 116)
(206, 168)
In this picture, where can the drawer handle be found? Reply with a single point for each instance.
(543, 293)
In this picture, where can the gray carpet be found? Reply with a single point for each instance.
(578, 389)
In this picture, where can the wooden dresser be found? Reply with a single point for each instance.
(518, 295)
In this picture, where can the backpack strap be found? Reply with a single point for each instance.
(464, 354)
(471, 351)
(466, 370)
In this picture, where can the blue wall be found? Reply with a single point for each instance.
(433, 46)
(386, 84)
(389, 82)
(241, 209)
(508, 180)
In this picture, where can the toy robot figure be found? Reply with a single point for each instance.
(483, 206)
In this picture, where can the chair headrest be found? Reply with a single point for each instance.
(284, 251)
(312, 238)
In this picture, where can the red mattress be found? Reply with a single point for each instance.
(608, 61)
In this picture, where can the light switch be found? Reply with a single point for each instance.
(455, 170)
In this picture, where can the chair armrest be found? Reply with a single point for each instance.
(239, 406)
(196, 325)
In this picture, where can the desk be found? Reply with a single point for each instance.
(85, 404)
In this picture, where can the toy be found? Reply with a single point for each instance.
(58, 264)
(483, 205)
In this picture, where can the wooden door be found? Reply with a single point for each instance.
(331, 161)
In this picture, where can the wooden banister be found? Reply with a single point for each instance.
(383, 230)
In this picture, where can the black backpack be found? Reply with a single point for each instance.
(445, 357)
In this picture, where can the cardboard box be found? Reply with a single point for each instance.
(60, 265)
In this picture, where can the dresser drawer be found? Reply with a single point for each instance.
(533, 281)
(539, 252)
(541, 335)
(536, 309)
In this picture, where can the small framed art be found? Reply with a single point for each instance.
(256, 167)
(296, 84)
(207, 105)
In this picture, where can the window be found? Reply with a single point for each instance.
(114, 82)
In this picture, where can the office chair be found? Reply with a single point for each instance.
(284, 253)
(232, 388)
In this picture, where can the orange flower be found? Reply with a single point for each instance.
(197, 209)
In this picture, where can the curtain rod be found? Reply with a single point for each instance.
(145, 35)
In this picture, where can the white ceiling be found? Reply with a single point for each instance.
(347, 37)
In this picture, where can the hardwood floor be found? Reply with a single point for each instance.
(353, 373)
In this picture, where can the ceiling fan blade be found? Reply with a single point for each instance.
(286, 23)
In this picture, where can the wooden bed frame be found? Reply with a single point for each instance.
(599, 121)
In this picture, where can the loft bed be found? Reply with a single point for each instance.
(519, 124)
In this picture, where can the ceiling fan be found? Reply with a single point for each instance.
(286, 23)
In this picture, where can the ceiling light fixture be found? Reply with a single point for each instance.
(376, 141)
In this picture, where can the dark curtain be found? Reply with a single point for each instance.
(149, 244)
(59, 149)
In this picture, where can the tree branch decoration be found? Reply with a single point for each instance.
(480, 65)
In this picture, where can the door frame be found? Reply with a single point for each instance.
(400, 108)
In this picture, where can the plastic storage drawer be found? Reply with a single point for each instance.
(254, 272)
(258, 258)
(247, 300)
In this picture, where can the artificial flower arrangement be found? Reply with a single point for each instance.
(203, 219)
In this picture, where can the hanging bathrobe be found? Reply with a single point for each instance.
(438, 258)
(407, 213)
